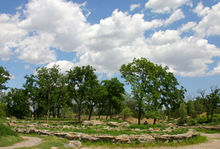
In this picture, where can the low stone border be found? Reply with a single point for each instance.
(145, 138)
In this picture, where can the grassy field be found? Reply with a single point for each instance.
(7, 136)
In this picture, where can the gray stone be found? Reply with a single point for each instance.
(74, 145)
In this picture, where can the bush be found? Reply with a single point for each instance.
(2, 110)
(202, 119)
(181, 121)
(126, 112)
(191, 121)
(6, 131)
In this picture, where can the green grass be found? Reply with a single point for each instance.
(9, 140)
(48, 142)
(6, 130)
(195, 140)
(142, 126)
(7, 136)
(207, 130)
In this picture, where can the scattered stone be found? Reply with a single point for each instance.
(170, 125)
(124, 124)
(74, 145)
(142, 138)
(115, 124)
(123, 139)
(54, 148)
(151, 129)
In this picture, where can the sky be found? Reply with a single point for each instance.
(181, 34)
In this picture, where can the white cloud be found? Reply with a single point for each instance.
(10, 34)
(200, 10)
(36, 49)
(177, 15)
(63, 20)
(63, 65)
(188, 26)
(209, 25)
(134, 6)
(216, 70)
(164, 6)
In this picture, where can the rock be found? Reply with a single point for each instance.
(124, 124)
(74, 145)
(73, 136)
(123, 139)
(168, 130)
(170, 125)
(115, 124)
(92, 123)
(156, 129)
(151, 129)
(54, 148)
(86, 137)
(105, 138)
(61, 134)
(142, 138)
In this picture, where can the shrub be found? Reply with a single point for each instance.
(126, 112)
(191, 121)
(202, 119)
(2, 110)
(6, 131)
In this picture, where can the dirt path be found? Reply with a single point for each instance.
(28, 142)
(213, 143)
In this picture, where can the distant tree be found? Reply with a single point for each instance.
(17, 103)
(115, 90)
(47, 79)
(126, 112)
(214, 100)
(4, 77)
(191, 109)
(80, 81)
(182, 113)
(151, 84)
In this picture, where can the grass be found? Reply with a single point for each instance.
(9, 140)
(142, 126)
(7, 136)
(207, 130)
(191, 141)
(48, 142)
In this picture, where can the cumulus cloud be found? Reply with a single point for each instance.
(63, 65)
(58, 24)
(165, 6)
(209, 25)
(134, 6)
(177, 15)
(188, 26)
(200, 10)
(10, 34)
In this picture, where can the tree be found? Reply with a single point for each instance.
(47, 79)
(80, 81)
(182, 113)
(214, 100)
(125, 113)
(114, 98)
(191, 109)
(17, 103)
(4, 77)
(151, 84)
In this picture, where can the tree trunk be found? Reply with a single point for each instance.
(90, 112)
(79, 112)
(155, 120)
(48, 108)
(139, 114)
(212, 113)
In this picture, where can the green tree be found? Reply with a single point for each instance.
(182, 113)
(114, 98)
(17, 103)
(47, 79)
(4, 77)
(191, 109)
(81, 81)
(125, 113)
(151, 84)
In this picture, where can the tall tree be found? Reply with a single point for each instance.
(114, 98)
(47, 79)
(80, 81)
(17, 103)
(4, 77)
(150, 83)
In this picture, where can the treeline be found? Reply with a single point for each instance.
(155, 93)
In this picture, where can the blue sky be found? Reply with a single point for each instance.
(183, 34)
